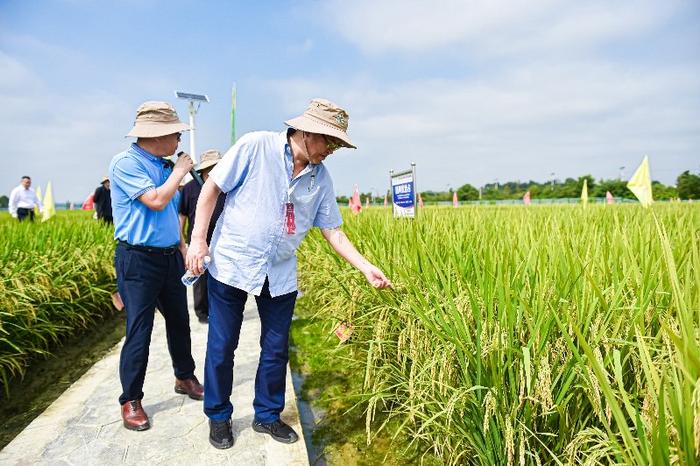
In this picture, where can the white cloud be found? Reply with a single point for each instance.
(55, 135)
(570, 118)
(490, 27)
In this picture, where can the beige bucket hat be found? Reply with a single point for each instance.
(324, 117)
(154, 119)
(209, 159)
(104, 179)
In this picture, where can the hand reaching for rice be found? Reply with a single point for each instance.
(376, 278)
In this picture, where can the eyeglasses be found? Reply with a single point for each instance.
(179, 136)
(332, 144)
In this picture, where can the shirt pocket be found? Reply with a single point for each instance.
(305, 206)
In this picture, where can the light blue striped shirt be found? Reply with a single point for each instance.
(250, 240)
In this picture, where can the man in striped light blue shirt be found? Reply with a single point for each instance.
(277, 190)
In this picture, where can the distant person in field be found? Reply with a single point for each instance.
(188, 209)
(277, 190)
(23, 200)
(103, 201)
(150, 252)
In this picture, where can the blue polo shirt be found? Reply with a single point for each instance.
(132, 173)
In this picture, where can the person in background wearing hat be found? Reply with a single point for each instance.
(23, 200)
(277, 190)
(188, 209)
(150, 252)
(103, 201)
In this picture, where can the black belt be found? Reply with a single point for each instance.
(151, 249)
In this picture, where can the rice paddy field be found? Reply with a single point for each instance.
(523, 335)
(57, 278)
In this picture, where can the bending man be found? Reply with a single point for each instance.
(277, 190)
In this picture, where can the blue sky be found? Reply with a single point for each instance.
(472, 91)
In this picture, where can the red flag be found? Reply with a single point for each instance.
(386, 201)
(455, 201)
(526, 198)
(88, 204)
(609, 197)
(420, 201)
(356, 203)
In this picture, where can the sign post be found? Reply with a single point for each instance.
(403, 192)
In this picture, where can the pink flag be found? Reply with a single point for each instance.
(356, 203)
(420, 201)
(526, 198)
(89, 204)
(609, 197)
(455, 201)
(386, 202)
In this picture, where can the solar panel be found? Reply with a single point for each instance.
(189, 96)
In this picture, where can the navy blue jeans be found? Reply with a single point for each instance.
(226, 305)
(146, 280)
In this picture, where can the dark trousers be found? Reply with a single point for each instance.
(146, 280)
(201, 298)
(23, 213)
(226, 305)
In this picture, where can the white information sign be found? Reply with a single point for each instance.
(403, 193)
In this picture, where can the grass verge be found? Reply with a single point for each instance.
(339, 435)
(47, 378)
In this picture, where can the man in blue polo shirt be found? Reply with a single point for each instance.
(277, 190)
(150, 252)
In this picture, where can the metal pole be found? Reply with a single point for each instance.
(193, 154)
(391, 191)
(415, 190)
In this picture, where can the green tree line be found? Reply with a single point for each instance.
(687, 187)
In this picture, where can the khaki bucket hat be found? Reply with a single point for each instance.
(209, 159)
(104, 180)
(324, 117)
(154, 119)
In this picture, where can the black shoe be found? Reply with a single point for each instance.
(220, 435)
(278, 430)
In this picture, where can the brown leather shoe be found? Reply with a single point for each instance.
(190, 387)
(135, 418)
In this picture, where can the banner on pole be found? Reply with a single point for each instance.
(403, 192)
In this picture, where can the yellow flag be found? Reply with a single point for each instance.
(38, 195)
(49, 207)
(640, 183)
(584, 192)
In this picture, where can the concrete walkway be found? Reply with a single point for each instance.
(84, 426)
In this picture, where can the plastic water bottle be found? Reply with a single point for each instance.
(189, 278)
